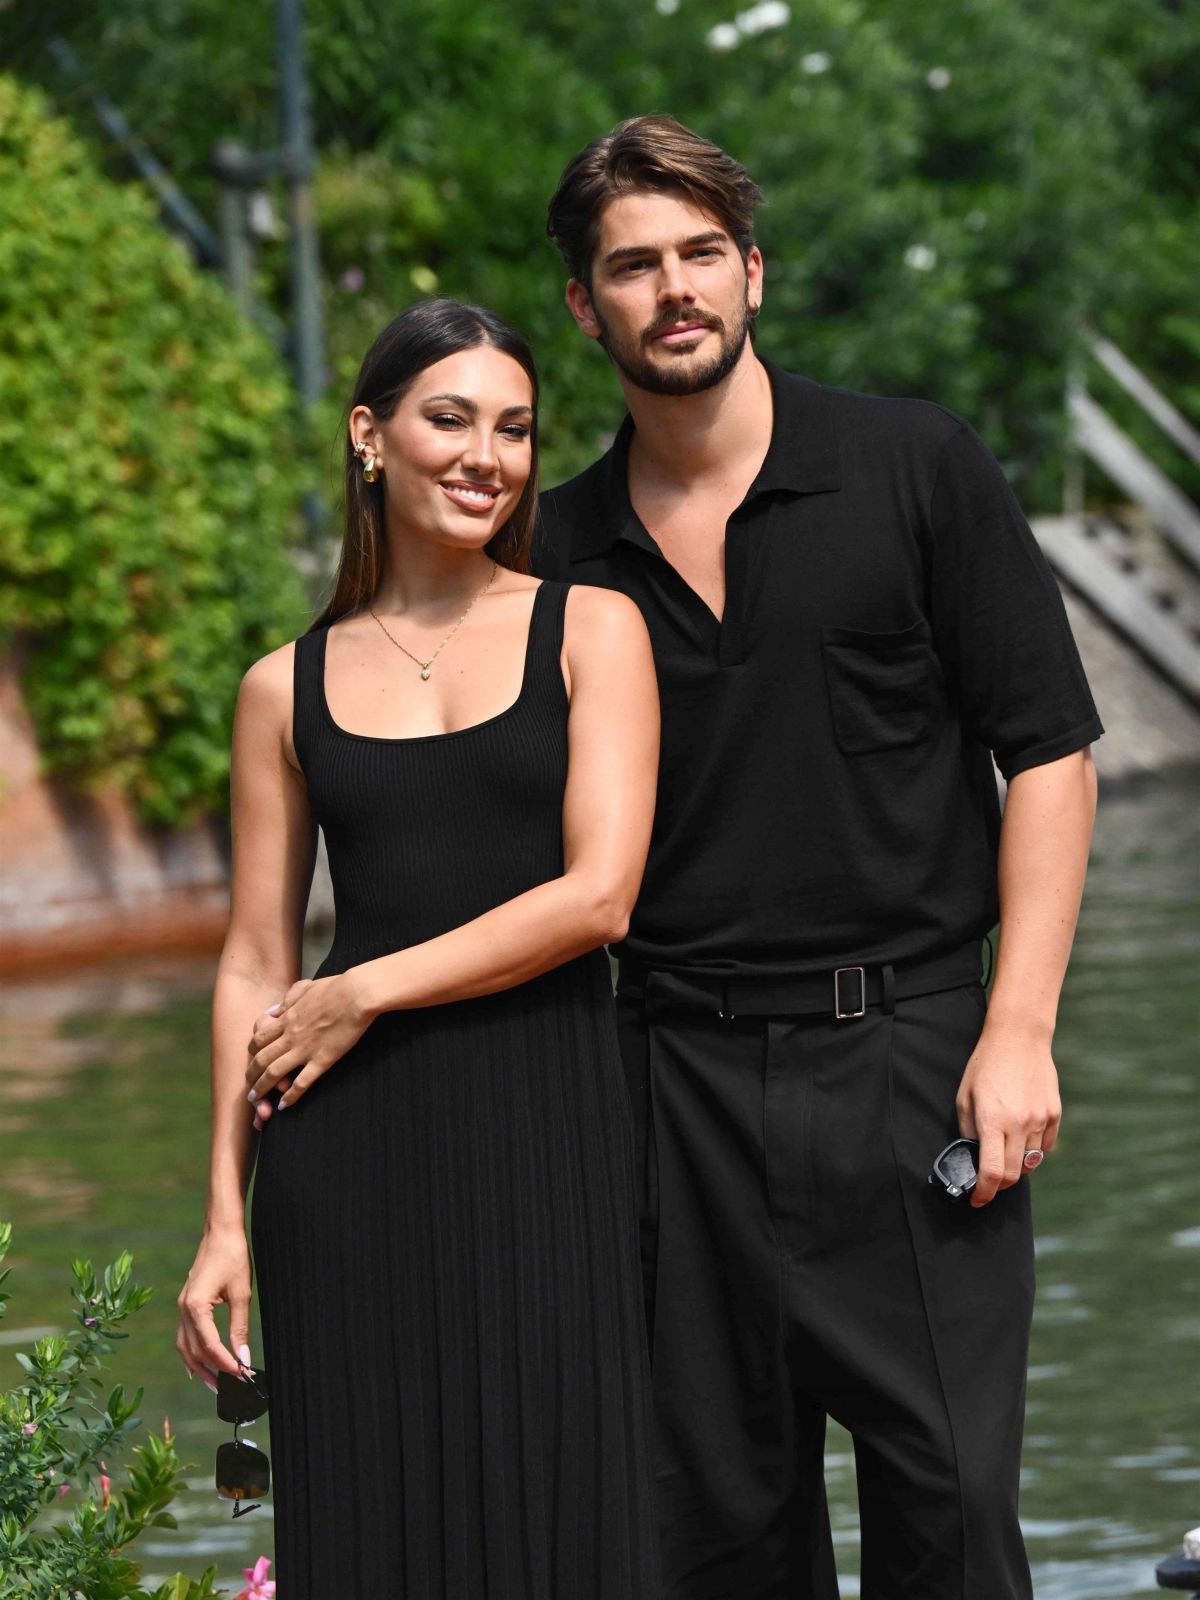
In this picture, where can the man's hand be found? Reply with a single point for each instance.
(1008, 1098)
(1009, 1101)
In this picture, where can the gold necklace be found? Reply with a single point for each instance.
(427, 666)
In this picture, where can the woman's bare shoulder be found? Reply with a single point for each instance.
(507, 581)
(266, 689)
(594, 613)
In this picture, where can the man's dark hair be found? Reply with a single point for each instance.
(648, 153)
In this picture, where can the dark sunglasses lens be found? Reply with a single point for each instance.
(243, 1471)
(241, 1399)
(956, 1166)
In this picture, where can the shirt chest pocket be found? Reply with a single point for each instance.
(884, 688)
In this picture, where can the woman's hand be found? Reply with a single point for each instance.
(221, 1274)
(299, 1039)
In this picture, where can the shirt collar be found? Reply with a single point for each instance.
(802, 458)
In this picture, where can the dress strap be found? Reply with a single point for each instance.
(307, 669)
(543, 671)
(553, 613)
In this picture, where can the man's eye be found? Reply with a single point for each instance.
(631, 266)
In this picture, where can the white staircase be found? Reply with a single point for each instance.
(1139, 566)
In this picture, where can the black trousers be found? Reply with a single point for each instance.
(798, 1264)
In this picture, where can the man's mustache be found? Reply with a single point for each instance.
(664, 324)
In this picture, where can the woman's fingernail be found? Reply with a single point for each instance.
(244, 1354)
(252, 1097)
(273, 1011)
(190, 1373)
(211, 1385)
(283, 1105)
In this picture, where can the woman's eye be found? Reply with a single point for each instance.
(516, 431)
(447, 420)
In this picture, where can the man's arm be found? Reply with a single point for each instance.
(1009, 1098)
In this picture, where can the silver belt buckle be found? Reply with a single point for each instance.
(848, 1016)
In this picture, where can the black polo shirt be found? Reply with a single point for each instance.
(826, 792)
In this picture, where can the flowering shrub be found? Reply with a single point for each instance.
(258, 1585)
(57, 1438)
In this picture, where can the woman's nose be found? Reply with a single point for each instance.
(480, 453)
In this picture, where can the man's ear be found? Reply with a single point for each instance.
(579, 303)
(754, 278)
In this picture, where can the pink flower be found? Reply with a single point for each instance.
(105, 1490)
(28, 1428)
(258, 1586)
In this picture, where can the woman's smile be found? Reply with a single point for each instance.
(474, 498)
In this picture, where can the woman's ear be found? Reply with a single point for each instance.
(363, 430)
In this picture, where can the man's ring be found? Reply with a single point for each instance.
(1033, 1160)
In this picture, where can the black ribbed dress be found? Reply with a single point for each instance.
(444, 1226)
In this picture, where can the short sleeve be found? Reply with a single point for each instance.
(999, 624)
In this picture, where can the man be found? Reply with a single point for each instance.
(849, 617)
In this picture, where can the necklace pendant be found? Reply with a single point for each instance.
(424, 673)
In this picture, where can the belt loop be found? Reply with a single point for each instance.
(889, 989)
(725, 1010)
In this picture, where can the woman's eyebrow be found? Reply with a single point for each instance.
(470, 405)
(455, 400)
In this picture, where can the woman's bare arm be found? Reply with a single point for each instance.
(607, 814)
(274, 840)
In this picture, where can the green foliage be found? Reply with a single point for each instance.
(954, 186)
(151, 467)
(56, 1437)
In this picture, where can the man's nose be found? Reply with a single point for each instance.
(673, 283)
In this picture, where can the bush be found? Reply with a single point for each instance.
(56, 1438)
(149, 458)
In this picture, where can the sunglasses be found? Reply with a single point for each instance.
(243, 1471)
(955, 1169)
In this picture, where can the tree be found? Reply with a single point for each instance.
(954, 186)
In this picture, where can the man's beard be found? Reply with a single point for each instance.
(675, 376)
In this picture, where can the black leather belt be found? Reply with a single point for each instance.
(841, 993)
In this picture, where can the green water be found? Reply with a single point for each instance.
(103, 1106)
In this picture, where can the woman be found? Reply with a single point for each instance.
(443, 1217)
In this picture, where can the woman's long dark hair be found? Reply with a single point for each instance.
(425, 333)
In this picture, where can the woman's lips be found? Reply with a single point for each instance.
(475, 500)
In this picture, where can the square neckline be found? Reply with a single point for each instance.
(450, 733)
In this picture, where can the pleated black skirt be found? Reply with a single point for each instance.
(445, 1239)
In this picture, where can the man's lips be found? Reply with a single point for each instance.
(680, 333)
(476, 498)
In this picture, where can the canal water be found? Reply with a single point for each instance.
(103, 1104)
